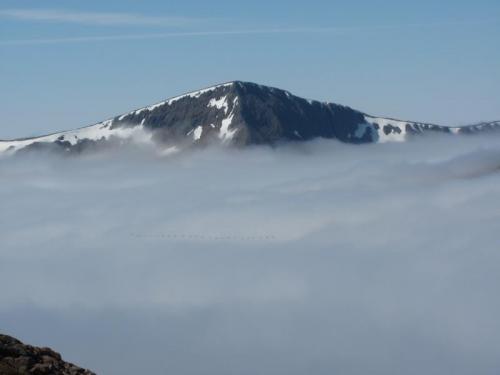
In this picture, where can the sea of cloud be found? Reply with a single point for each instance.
(312, 258)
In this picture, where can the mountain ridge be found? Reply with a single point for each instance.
(237, 113)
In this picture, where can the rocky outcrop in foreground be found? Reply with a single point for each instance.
(17, 358)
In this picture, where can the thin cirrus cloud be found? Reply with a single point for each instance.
(123, 19)
(175, 34)
(95, 18)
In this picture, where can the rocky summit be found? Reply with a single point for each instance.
(236, 113)
(17, 358)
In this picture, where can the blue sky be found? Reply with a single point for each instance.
(65, 64)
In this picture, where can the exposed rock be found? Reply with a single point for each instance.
(17, 358)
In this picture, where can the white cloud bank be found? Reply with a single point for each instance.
(318, 258)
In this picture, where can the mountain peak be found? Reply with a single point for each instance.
(237, 113)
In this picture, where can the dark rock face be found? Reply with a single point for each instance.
(271, 115)
(237, 113)
(174, 121)
(17, 358)
(259, 115)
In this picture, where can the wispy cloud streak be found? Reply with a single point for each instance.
(94, 18)
(105, 38)
(139, 20)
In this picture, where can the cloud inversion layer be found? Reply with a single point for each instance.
(316, 258)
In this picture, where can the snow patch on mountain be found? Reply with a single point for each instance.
(219, 103)
(197, 133)
(225, 133)
(483, 126)
(388, 130)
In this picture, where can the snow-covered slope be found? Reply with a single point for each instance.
(237, 113)
(67, 139)
(390, 130)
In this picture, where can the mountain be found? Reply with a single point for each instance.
(236, 113)
(17, 358)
